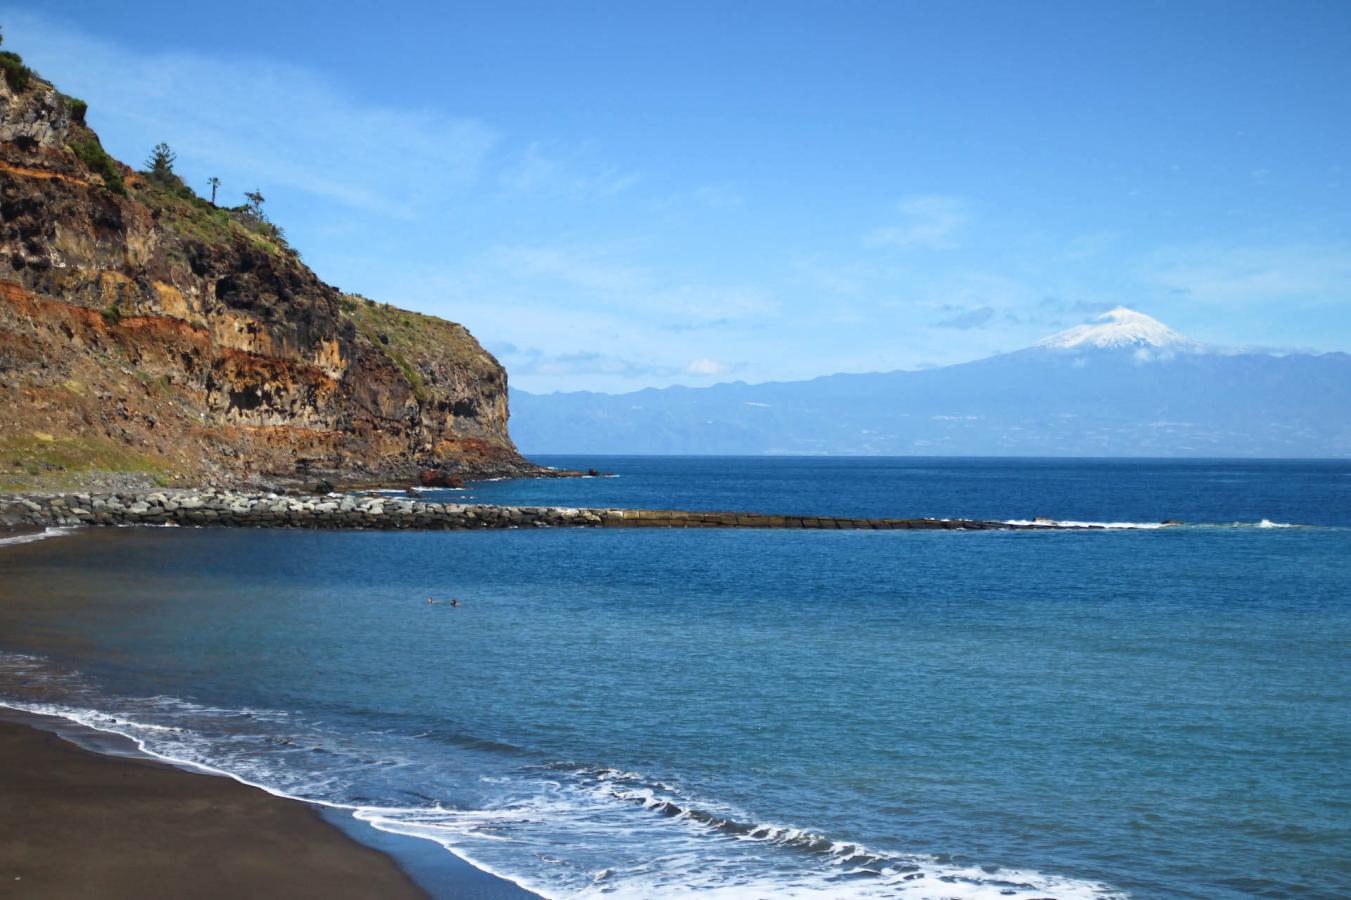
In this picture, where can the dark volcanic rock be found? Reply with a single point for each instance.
(439, 478)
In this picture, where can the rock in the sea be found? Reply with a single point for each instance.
(439, 478)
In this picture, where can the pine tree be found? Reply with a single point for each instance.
(161, 161)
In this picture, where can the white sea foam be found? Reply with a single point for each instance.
(689, 854)
(1052, 524)
(1074, 523)
(34, 536)
(416, 489)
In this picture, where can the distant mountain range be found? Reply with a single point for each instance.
(1122, 385)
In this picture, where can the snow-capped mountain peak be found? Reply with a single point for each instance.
(1117, 328)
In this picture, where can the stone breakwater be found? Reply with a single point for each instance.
(269, 510)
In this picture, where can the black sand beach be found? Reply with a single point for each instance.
(78, 823)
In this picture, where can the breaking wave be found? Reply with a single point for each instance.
(559, 829)
(1073, 523)
(1051, 524)
(30, 537)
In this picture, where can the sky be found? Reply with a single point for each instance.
(613, 196)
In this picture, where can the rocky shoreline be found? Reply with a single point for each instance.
(242, 509)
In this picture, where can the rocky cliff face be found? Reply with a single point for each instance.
(144, 330)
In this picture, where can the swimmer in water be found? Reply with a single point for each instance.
(454, 602)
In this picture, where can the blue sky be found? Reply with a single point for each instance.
(617, 195)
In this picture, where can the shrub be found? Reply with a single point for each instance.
(112, 315)
(16, 73)
(92, 154)
(166, 182)
(77, 108)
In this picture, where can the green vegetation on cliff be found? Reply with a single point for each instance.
(87, 147)
(414, 342)
(78, 108)
(49, 461)
(406, 332)
(196, 218)
(17, 74)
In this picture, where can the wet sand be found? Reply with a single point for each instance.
(77, 823)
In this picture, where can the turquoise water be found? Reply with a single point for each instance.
(1144, 712)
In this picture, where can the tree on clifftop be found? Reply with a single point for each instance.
(161, 161)
(215, 185)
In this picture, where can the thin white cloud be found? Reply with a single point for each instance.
(705, 367)
(557, 326)
(1254, 274)
(589, 270)
(535, 362)
(261, 123)
(670, 302)
(928, 222)
(551, 169)
(696, 303)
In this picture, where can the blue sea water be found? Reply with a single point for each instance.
(1147, 712)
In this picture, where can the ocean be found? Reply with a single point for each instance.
(1136, 711)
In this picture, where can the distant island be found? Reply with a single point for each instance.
(150, 336)
(1122, 385)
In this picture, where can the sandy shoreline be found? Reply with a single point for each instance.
(75, 822)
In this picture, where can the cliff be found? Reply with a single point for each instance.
(145, 331)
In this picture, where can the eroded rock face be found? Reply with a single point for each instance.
(156, 325)
(34, 117)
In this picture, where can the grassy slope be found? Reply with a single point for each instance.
(409, 338)
(195, 219)
(36, 460)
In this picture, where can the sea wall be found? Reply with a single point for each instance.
(269, 510)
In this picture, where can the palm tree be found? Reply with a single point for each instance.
(215, 183)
